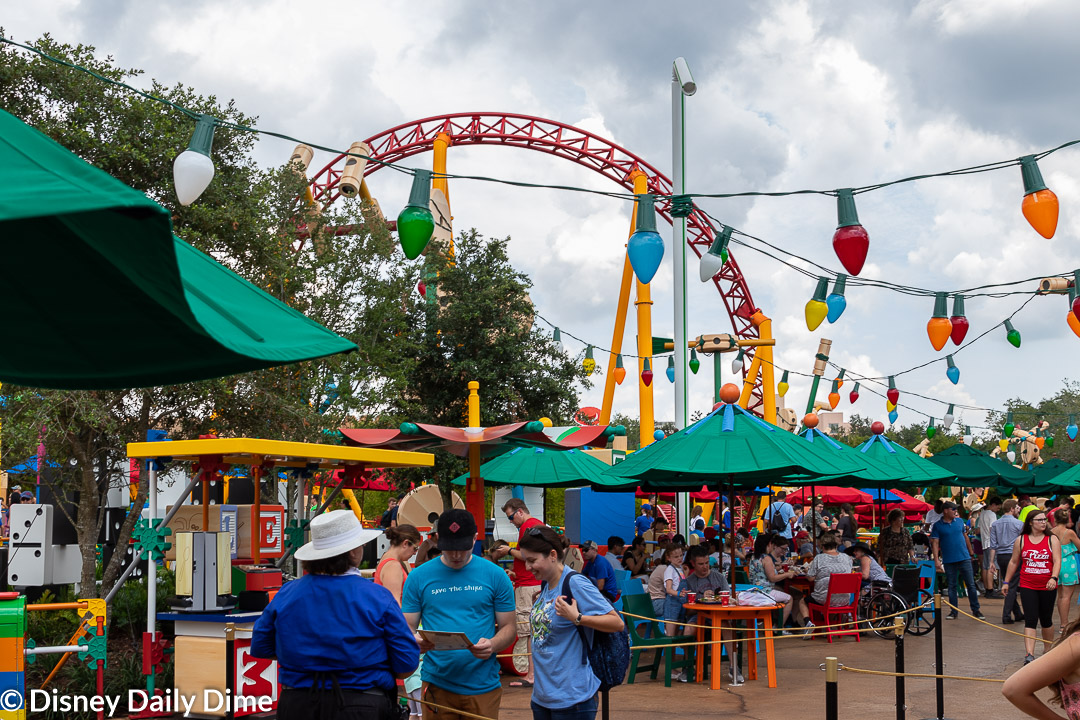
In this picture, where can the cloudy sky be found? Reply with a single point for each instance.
(791, 94)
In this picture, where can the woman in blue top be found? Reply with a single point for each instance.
(564, 686)
(344, 669)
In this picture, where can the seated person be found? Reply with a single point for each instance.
(635, 558)
(764, 572)
(616, 548)
(706, 582)
(599, 570)
(830, 560)
(866, 564)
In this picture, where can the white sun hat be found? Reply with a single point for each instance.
(334, 533)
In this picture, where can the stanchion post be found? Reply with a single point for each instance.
(604, 709)
(898, 628)
(939, 663)
(832, 675)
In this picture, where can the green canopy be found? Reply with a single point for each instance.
(974, 468)
(543, 467)
(100, 294)
(913, 471)
(730, 447)
(873, 475)
(1052, 477)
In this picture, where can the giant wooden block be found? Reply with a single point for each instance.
(200, 665)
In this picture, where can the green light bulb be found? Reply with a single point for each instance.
(415, 224)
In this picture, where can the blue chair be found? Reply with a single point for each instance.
(621, 578)
(633, 586)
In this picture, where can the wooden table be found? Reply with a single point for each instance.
(719, 616)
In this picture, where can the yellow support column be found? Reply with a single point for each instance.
(768, 376)
(474, 490)
(350, 496)
(620, 313)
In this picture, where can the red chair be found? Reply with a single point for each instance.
(839, 584)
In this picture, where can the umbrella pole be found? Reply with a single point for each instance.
(731, 504)
(813, 509)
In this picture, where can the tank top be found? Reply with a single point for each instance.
(1070, 699)
(1036, 563)
(404, 570)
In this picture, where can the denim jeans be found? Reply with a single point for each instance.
(585, 710)
(955, 571)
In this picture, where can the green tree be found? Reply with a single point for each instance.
(478, 325)
(247, 219)
(1054, 410)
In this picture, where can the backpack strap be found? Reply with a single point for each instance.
(580, 630)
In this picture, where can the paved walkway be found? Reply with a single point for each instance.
(971, 649)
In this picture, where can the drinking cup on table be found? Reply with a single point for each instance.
(691, 597)
(725, 598)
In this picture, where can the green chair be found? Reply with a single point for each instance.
(639, 643)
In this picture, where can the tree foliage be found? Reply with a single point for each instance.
(477, 325)
(247, 219)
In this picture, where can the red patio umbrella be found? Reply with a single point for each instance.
(830, 495)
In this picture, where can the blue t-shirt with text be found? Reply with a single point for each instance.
(950, 537)
(464, 600)
(561, 678)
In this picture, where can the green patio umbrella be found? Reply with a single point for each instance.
(100, 294)
(913, 471)
(732, 448)
(974, 468)
(873, 475)
(543, 467)
(1052, 477)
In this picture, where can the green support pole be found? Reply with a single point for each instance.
(813, 394)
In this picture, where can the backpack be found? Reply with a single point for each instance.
(609, 656)
(776, 520)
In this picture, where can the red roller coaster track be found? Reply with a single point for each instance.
(564, 141)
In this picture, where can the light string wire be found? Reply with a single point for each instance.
(876, 380)
(986, 167)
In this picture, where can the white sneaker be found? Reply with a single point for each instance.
(808, 631)
(736, 675)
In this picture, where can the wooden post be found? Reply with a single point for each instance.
(832, 676)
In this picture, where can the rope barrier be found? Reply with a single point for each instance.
(946, 603)
(862, 671)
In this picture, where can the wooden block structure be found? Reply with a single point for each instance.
(237, 520)
(202, 663)
(12, 660)
(200, 666)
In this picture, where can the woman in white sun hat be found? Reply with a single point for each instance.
(340, 640)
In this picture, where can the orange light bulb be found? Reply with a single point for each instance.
(834, 400)
(938, 329)
(1074, 324)
(1041, 210)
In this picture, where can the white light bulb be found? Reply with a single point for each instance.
(947, 421)
(737, 366)
(968, 439)
(192, 173)
(710, 265)
(1011, 455)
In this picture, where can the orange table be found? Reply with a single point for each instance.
(801, 583)
(718, 615)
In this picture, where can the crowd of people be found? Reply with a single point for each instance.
(437, 614)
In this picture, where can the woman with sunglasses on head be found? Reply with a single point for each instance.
(564, 686)
(1036, 567)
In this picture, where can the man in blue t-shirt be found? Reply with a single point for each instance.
(953, 552)
(643, 522)
(461, 593)
(599, 570)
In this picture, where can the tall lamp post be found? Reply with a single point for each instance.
(682, 85)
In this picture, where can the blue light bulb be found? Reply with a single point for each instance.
(1071, 431)
(645, 247)
(892, 417)
(646, 250)
(837, 304)
(670, 372)
(954, 374)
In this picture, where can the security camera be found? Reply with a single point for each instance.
(680, 73)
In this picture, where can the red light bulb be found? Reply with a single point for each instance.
(850, 242)
(893, 394)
